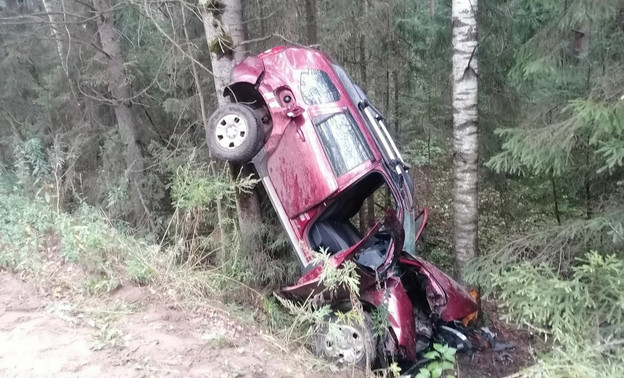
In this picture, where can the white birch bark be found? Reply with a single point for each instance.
(55, 33)
(465, 141)
(226, 28)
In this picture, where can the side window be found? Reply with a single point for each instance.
(317, 88)
(343, 141)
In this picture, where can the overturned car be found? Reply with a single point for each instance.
(323, 151)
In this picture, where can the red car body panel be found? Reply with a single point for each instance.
(297, 164)
(400, 315)
(446, 297)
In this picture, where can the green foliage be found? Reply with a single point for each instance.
(84, 238)
(582, 310)
(380, 319)
(139, 271)
(31, 163)
(334, 278)
(582, 360)
(441, 359)
(277, 317)
(194, 187)
(420, 153)
(441, 258)
(587, 305)
(567, 71)
(556, 246)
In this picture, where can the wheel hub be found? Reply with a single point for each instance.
(231, 131)
(347, 346)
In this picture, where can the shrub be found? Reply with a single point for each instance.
(581, 309)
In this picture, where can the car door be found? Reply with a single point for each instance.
(299, 170)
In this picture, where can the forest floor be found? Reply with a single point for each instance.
(135, 334)
(49, 328)
(489, 362)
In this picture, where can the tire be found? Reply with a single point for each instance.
(356, 347)
(234, 133)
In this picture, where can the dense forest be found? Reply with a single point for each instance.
(103, 107)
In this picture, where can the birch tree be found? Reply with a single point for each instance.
(465, 145)
(223, 25)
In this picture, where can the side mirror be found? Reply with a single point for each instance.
(421, 222)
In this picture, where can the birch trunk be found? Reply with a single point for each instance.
(122, 103)
(55, 34)
(465, 143)
(224, 33)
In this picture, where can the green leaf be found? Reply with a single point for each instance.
(423, 373)
(436, 373)
(445, 365)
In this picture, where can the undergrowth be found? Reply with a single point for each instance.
(580, 309)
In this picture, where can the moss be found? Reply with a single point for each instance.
(222, 46)
(217, 7)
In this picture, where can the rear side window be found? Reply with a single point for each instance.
(317, 88)
(343, 142)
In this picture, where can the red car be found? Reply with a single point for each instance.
(322, 150)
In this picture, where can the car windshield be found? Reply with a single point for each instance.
(343, 142)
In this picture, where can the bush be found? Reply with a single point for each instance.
(85, 238)
(582, 310)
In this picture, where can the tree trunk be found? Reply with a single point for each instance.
(11, 6)
(224, 33)
(55, 34)
(122, 104)
(202, 109)
(395, 116)
(261, 5)
(465, 141)
(555, 198)
(370, 201)
(310, 6)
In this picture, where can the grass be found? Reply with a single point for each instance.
(33, 235)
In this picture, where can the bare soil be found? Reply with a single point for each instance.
(497, 364)
(140, 336)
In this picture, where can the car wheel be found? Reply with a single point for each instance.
(345, 344)
(234, 133)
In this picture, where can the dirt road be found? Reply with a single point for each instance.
(43, 336)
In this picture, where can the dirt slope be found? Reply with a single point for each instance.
(42, 337)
